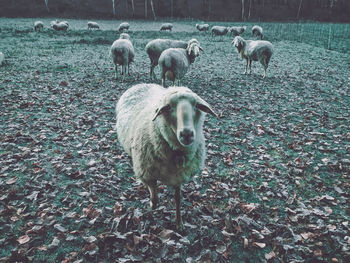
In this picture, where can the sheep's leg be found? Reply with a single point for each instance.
(163, 79)
(179, 223)
(264, 63)
(129, 70)
(116, 71)
(153, 194)
(246, 67)
(250, 66)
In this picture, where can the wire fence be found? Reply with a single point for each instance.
(327, 35)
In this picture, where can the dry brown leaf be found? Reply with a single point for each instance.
(12, 180)
(23, 239)
(245, 242)
(258, 244)
(270, 255)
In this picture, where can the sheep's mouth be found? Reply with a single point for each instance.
(186, 137)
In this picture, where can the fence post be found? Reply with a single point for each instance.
(329, 36)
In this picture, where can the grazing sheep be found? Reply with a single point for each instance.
(219, 30)
(38, 25)
(53, 22)
(166, 26)
(202, 27)
(237, 30)
(122, 52)
(174, 62)
(61, 26)
(162, 130)
(92, 25)
(257, 50)
(258, 31)
(155, 47)
(123, 27)
(2, 58)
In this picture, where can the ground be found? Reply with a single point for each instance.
(276, 183)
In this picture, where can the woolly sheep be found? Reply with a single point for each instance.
(257, 50)
(38, 25)
(162, 130)
(202, 27)
(122, 52)
(123, 27)
(258, 31)
(53, 22)
(237, 30)
(2, 58)
(92, 25)
(219, 30)
(174, 62)
(61, 26)
(166, 26)
(155, 47)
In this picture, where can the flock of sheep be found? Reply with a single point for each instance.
(162, 128)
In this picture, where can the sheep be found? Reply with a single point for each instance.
(155, 47)
(174, 62)
(92, 25)
(257, 50)
(2, 58)
(202, 27)
(258, 31)
(166, 26)
(162, 131)
(38, 25)
(237, 30)
(219, 30)
(61, 26)
(53, 22)
(123, 27)
(122, 52)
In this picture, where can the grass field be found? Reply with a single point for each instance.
(276, 183)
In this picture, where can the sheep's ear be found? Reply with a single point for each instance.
(200, 48)
(161, 111)
(202, 105)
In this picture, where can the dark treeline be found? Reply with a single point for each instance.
(233, 10)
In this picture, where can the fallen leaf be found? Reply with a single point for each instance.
(23, 239)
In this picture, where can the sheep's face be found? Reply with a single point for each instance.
(238, 43)
(124, 36)
(182, 112)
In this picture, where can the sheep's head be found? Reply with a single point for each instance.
(182, 111)
(193, 49)
(239, 43)
(124, 36)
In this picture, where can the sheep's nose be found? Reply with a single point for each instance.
(186, 136)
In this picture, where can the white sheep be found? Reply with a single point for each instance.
(38, 25)
(92, 25)
(122, 52)
(257, 50)
(53, 22)
(258, 31)
(166, 26)
(237, 30)
(219, 30)
(162, 130)
(202, 27)
(2, 58)
(156, 46)
(124, 27)
(174, 62)
(61, 26)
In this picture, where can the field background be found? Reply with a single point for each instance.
(276, 183)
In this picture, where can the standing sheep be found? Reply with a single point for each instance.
(174, 62)
(258, 31)
(257, 50)
(122, 52)
(38, 25)
(61, 26)
(237, 30)
(219, 30)
(202, 27)
(124, 27)
(166, 26)
(92, 25)
(155, 47)
(162, 130)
